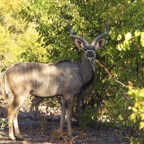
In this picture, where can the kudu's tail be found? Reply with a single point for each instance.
(5, 85)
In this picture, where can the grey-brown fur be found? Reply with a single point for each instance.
(44, 80)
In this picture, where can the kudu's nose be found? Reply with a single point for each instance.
(89, 54)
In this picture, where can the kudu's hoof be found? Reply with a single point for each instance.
(12, 138)
(19, 138)
(70, 136)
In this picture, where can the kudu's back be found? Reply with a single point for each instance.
(43, 79)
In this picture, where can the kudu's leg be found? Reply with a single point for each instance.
(11, 114)
(16, 127)
(69, 107)
(63, 112)
(13, 122)
(35, 102)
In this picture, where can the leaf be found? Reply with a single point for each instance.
(141, 125)
(142, 39)
(137, 33)
(128, 36)
(81, 135)
(126, 45)
(142, 35)
(26, 142)
(119, 47)
(113, 35)
(57, 134)
(119, 37)
(120, 117)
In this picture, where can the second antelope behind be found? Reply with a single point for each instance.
(64, 78)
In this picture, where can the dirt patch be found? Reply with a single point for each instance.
(44, 130)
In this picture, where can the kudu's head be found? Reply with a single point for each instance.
(90, 49)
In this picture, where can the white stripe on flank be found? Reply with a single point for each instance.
(48, 78)
(25, 73)
(34, 75)
(6, 86)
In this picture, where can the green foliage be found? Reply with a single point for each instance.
(17, 36)
(52, 27)
(89, 117)
(37, 30)
(137, 115)
(10, 27)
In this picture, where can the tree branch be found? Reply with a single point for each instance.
(105, 68)
(109, 74)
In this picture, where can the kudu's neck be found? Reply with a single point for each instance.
(86, 70)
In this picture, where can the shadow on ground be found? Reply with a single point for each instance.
(44, 130)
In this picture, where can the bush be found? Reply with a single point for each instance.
(137, 115)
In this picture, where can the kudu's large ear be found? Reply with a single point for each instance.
(100, 43)
(79, 44)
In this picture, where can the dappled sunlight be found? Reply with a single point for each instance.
(38, 32)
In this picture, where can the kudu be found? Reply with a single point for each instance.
(64, 78)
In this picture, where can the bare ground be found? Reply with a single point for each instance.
(44, 130)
